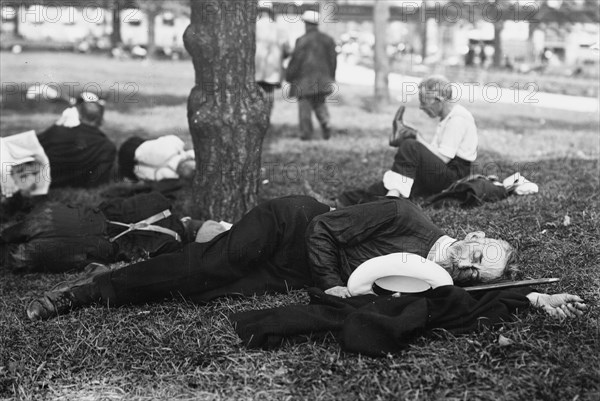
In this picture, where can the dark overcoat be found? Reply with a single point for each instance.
(311, 70)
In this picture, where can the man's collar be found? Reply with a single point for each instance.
(440, 250)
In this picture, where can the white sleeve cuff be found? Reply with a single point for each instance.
(174, 161)
(448, 152)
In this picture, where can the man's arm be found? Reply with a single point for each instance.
(433, 149)
(293, 68)
(449, 139)
(333, 56)
(330, 232)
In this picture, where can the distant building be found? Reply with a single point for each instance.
(70, 24)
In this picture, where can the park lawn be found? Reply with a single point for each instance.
(178, 350)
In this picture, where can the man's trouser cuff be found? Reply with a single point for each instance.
(398, 182)
(107, 292)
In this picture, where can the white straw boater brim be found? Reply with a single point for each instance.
(398, 272)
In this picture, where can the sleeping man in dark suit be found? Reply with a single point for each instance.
(291, 243)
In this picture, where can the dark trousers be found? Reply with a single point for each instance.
(306, 105)
(431, 175)
(264, 251)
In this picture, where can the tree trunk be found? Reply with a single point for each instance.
(381, 15)
(228, 114)
(498, 56)
(424, 30)
(151, 44)
(16, 30)
(532, 51)
(115, 37)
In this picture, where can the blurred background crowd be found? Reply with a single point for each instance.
(558, 40)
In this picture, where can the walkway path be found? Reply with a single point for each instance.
(492, 93)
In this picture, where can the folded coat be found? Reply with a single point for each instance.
(374, 325)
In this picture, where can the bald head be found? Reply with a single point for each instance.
(91, 113)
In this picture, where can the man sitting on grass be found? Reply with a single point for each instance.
(290, 243)
(80, 156)
(421, 168)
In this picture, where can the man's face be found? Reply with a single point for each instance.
(430, 103)
(477, 258)
(26, 177)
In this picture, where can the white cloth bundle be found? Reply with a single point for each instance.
(19, 149)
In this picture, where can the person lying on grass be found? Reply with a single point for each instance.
(162, 158)
(291, 243)
(420, 167)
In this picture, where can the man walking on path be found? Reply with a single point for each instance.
(311, 72)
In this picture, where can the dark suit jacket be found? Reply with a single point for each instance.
(81, 156)
(311, 70)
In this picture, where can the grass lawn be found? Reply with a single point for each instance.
(178, 350)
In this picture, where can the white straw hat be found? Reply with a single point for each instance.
(398, 272)
(265, 5)
(310, 17)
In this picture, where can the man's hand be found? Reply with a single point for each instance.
(558, 306)
(400, 131)
(339, 291)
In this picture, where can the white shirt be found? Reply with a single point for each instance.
(456, 135)
(271, 44)
(440, 250)
(158, 158)
(69, 118)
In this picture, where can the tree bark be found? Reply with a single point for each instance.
(381, 15)
(498, 55)
(16, 29)
(228, 114)
(115, 37)
(424, 29)
(533, 53)
(151, 14)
